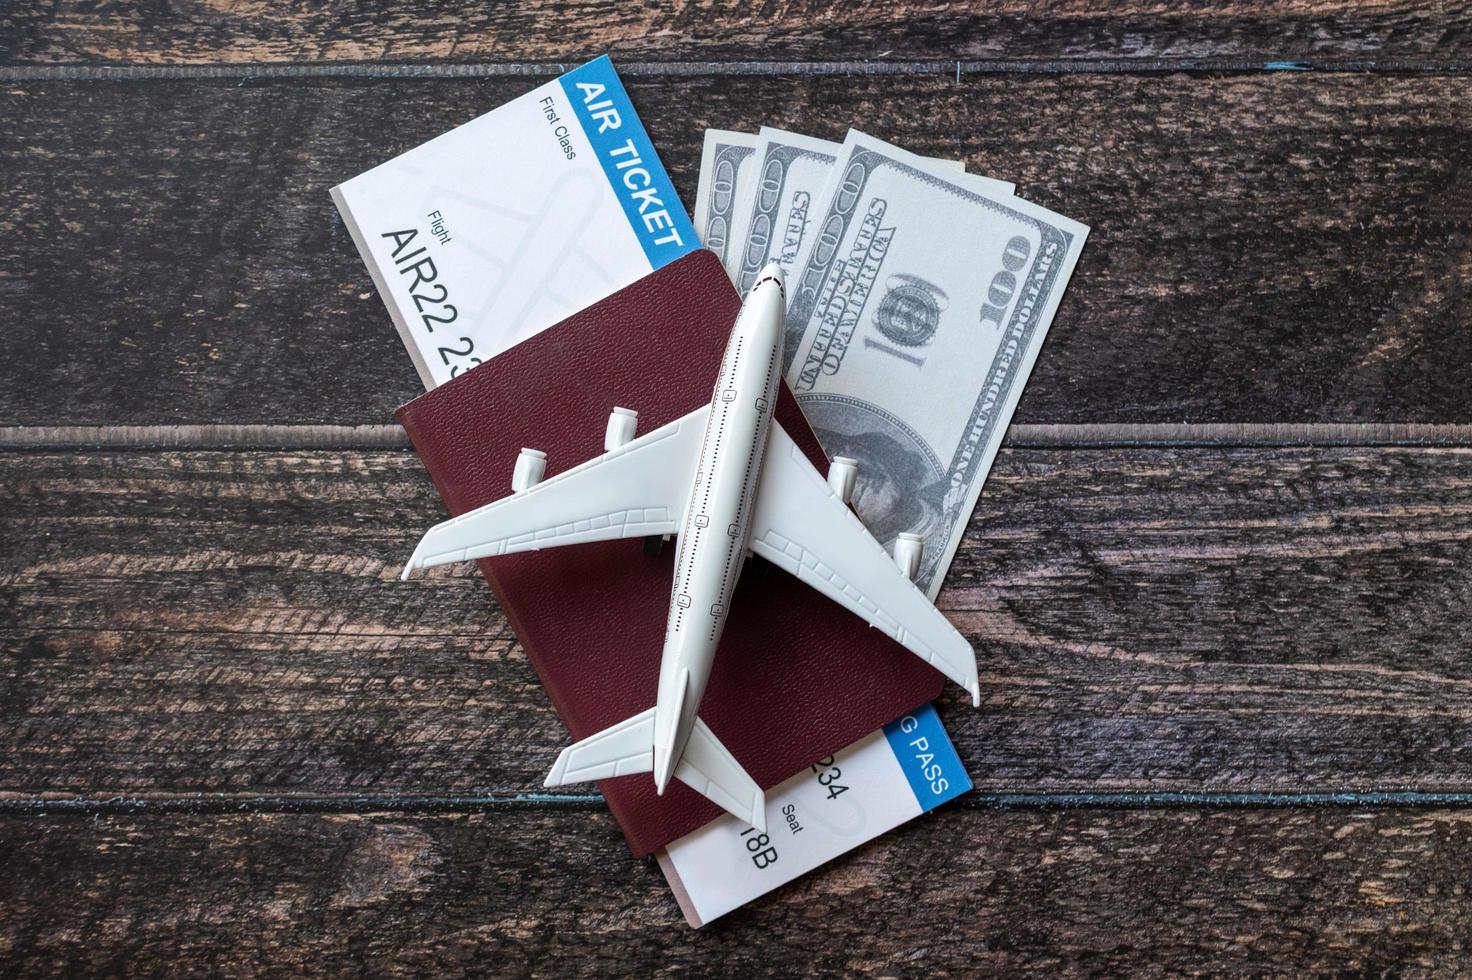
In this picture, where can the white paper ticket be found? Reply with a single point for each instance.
(496, 230)
(907, 768)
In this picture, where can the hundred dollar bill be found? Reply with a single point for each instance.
(913, 322)
(725, 174)
(788, 171)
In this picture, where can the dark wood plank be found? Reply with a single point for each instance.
(555, 894)
(1264, 248)
(462, 31)
(1237, 620)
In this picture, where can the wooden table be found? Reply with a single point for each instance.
(1219, 578)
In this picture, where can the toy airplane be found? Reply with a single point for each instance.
(730, 482)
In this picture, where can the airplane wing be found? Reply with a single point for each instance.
(707, 766)
(801, 526)
(629, 492)
(619, 750)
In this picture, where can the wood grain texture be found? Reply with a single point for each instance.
(188, 631)
(1264, 248)
(1229, 620)
(555, 894)
(1097, 435)
(206, 32)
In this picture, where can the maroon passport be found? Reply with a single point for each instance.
(796, 676)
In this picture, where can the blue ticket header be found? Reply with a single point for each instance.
(628, 159)
(927, 757)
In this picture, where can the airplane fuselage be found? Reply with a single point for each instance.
(713, 540)
(801, 524)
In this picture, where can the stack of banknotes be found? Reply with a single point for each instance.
(918, 296)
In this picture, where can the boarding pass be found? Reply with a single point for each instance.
(502, 227)
(907, 768)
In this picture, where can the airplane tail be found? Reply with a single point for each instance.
(707, 766)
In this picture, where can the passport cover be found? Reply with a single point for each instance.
(796, 677)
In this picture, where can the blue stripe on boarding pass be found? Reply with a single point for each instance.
(643, 189)
(927, 758)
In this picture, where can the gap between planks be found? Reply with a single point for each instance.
(17, 805)
(690, 69)
(1027, 436)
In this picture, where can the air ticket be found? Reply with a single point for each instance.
(887, 778)
(496, 230)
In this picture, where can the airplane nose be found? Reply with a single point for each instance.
(774, 271)
(771, 272)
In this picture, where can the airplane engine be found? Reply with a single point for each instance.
(530, 465)
(842, 473)
(620, 431)
(908, 549)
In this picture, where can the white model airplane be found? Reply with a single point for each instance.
(730, 482)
